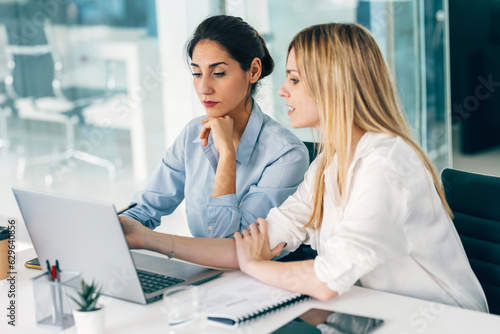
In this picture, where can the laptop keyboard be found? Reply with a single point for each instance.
(152, 282)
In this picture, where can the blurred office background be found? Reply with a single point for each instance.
(93, 92)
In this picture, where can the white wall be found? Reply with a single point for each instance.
(176, 22)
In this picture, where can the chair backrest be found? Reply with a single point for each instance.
(34, 63)
(305, 252)
(30, 60)
(312, 148)
(475, 202)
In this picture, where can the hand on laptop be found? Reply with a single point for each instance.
(134, 232)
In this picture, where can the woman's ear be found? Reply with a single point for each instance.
(255, 70)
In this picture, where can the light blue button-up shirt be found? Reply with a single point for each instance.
(270, 164)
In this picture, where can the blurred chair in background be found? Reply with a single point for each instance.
(6, 109)
(35, 80)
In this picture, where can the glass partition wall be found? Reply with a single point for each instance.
(412, 36)
(93, 92)
(80, 97)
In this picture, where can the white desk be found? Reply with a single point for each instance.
(402, 315)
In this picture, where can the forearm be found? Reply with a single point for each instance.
(138, 215)
(296, 276)
(205, 251)
(225, 176)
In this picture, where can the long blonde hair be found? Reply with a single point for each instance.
(345, 72)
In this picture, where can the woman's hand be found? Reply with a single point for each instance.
(222, 133)
(135, 232)
(252, 245)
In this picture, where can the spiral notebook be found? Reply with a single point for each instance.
(244, 299)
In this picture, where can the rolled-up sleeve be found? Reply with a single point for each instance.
(164, 190)
(278, 181)
(371, 232)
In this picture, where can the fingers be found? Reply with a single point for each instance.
(254, 229)
(245, 234)
(278, 249)
(221, 129)
(205, 130)
(204, 133)
(262, 225)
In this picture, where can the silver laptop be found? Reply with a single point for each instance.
(86, 236)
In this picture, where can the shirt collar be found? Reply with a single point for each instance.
(250, 135)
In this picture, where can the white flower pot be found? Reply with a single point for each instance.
(89, 322)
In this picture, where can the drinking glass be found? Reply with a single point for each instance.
(185, 309)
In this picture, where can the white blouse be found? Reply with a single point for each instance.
(393, 233)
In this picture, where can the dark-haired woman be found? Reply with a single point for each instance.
(234, 164)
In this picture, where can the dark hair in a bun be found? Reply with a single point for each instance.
(238, 38)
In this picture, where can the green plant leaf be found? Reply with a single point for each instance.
(88, 296)
(80, 304)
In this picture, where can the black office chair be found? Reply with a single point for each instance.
(312, 147)
(36, 75)
(475, 202)
(304, 252)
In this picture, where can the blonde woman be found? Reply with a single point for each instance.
(370, 204)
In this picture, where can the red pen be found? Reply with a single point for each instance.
(55, 309)
(53, 272)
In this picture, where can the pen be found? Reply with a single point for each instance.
(56, 277)
(50, 276)
(48, 268)
(53, 273)
(58, 271)
(55, 295)
(127, 208)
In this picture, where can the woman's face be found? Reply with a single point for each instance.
(302, 109)
(222, 86)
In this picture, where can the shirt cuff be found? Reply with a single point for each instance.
(143, 219)
(342, 264)
(224, 200)
(325, 277)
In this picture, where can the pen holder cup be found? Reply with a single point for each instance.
(53, 305)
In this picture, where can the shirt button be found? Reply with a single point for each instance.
(210, 228)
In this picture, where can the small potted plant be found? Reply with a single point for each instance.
(88, 315)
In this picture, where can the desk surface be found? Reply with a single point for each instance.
(402, 315)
